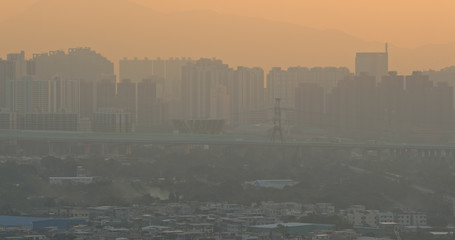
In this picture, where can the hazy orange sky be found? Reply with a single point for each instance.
(403, 23)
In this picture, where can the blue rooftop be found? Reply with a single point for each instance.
(16, 221)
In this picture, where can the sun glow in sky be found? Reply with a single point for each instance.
(403, 23)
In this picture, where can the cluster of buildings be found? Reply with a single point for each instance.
(267, 220)
(78, 90)
(71, 91)
(357, 215)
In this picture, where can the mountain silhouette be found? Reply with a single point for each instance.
(119, 28)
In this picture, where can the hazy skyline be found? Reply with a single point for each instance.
(227, 119)
(242, 33)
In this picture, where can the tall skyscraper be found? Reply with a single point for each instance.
(87, 96)
(105, 93)
(172, 92)
(167, 75)
(204, 90)
(247, 95)
(146, 105)
(159, 68)
(41, 97)
(27, 95)
(309, 105)
(64, 95)
(372, 63)
(352, 108)
(282, 84)
(126, 97)
(429, 108)
(391, 96)
(14, 68)
(81, 64)
(219, 102)
(7, 74)
(22, 91)
(19, 64)
(443, 111)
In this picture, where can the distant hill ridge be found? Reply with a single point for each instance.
(118, 28)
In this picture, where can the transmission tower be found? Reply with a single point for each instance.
(277, 130)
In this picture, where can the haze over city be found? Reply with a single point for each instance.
(227, 119)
